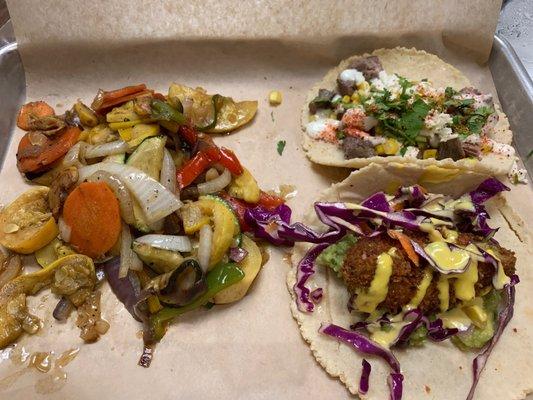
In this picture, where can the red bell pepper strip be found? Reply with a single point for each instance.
(270, 201)
(229, 160)
(106, 99)
(189, 134)
(239, 208)
(192, 169)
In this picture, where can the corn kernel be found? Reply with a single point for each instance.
(355, 98)
(380, 150)
(391, 147)
(363, 86)
(84, 135)
(346, 99)
(430, 153)
(274, 98)
(125, 133)
(486, 147)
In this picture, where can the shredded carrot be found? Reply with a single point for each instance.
(36, 109)
(406, 244)
(91, 211)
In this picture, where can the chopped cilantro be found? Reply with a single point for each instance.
(340, 134)
(281, 146)
(209, 305)
(272, 115)
(386, 327)
(403, 150)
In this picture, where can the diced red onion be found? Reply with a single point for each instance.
(304, 271)
(364, 381)
(237, 254)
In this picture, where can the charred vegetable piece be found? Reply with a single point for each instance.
(219, 278)
(87, 116)
(60, 188)
(181, 286)
(104, 100)
(250, 265)
(27, 224)
(38, 157)
(31, 111)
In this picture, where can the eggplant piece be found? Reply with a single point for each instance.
(181, 286)
(452, 148)
(370, 66)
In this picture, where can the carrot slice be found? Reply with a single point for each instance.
(106, 99)
(38, 158)
(92, 213)
(36, 109)
(406, 244)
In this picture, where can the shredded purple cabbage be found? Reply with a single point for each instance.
(504, 316)
(396, 386)
(422, 253)
(378, 202)
(305, 269)
(488, 188)
(364, 381)
(411, 196)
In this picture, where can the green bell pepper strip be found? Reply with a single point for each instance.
(163, 111)
(219, 278)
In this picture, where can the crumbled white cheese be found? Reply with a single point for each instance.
(473, 139)
(356, 118)
(480, 100)
(501, 148)
(351, 77)
(517, 175)
(412, 152)
(437, 128)
(314, 129)
(336, 98)
(426, 90)
(389, 82)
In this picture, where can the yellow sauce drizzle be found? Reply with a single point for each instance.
(443, 286)
(368, 300)
(500, 279)
(421, 290)
(465, 283)
(385, 338)
(446, 258)
(455, 318)
(434, 235)
(450, 235)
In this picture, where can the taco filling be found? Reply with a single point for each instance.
(373, 112)
(418, 267)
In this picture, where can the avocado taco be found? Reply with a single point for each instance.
(404, 105)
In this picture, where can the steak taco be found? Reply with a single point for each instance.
(412, 283)
(404, 105)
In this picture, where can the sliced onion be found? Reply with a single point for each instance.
(106, 149)
(122, 194)
(168, 172)
(204, 246)
(128, 258)
(216, 185)
(11, 270)
(156, 201)
(76, 155)
(64, 229)
(167, 242)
